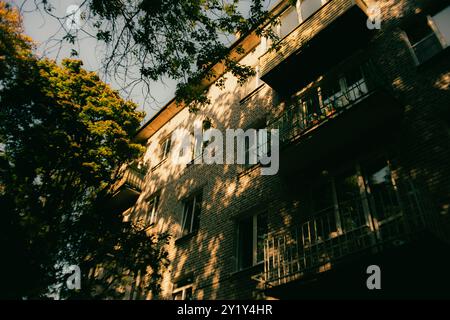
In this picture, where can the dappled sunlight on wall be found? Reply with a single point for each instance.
(443, 82)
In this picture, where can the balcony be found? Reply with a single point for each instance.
(128, 188)
(329, 238)
(330, 34)
(350, 103)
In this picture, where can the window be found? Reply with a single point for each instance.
(251, 84)
(165, 148)
(251, 233)
(311, 106)
(288, 22)
(355, 83)
(441, 22)
(382, 189)
(349, 200)
(152, 209)
(291, 18)
(200, 145)
(333, 93)
(261, 144)
(191, 214)
(309, 7)
(183, 290)
(345, 89)
(429, 35)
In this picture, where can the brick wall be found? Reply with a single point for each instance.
(421, 149)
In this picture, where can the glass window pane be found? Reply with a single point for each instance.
(308, 7)
(263, 141)
(311, 106)
(178, 295)
(427, 48)
(322, 209)
(423, 40)
(382, 191)
(356, 85)
(188, 294)
(245, 230)
(197, 211)
(187, 217)
(152, 210)
(418, 31)
(262, 229)
(289, 20)
(332, 96)
(442, 22)
(349, 200)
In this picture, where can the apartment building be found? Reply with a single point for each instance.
(362, 108)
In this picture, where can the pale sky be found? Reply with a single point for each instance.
(42, 27)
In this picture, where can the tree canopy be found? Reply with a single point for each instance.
(64, 134)
(176, 39)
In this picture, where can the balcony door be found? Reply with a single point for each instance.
(384, 198)
(359, 199)
(349, 194)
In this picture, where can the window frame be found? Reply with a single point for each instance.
(194, 215)
(152, 216)
(199, 145)
(444, 41)
(257, 126)
(165, 147)
(434, 32)
(254, 250)
(183, 290)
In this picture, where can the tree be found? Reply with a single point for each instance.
(119, 256)
(177, 39)
(64, 134)
(15, 47)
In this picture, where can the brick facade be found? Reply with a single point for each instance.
(419, 148)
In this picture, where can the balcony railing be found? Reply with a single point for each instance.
(133, 177)
(326, 99)
(329, 236)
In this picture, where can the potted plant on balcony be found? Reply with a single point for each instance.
(314, 119)
(329, 110)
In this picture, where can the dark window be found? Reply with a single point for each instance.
(251, 234)
(261, 145)
(152, 209)
(191, 214)
(183, 290)
(423, 40)
(200, 145)
(380, 186)
(165, 148)
(311, 106)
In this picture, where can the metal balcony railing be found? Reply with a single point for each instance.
(326, 99)
(331, 235)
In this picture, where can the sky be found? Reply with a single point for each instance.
(42, 28)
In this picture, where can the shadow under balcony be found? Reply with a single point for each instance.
(346, 109)
(332, 33)
(327, 255)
